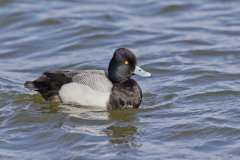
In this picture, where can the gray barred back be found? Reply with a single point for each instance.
(95, 79)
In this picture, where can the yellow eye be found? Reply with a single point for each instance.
(126, 62)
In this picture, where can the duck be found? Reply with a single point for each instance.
(112, 89)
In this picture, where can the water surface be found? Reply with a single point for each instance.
(190, 106)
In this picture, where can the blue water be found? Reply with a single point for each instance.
(190, 107)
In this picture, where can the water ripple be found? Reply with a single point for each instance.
(190, 105)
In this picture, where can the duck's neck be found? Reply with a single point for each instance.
(117, 80)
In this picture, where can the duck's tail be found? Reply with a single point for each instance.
(43, 87)
(41, 83)
(48, 85)
(30, 85)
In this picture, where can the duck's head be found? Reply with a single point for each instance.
(123, 65)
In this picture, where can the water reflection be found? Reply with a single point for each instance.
(128, 115)
(118, 125)
(121, 134)
(123, 130)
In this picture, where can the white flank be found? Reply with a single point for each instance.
(76, 93)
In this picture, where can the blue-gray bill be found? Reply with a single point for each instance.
(139, 71)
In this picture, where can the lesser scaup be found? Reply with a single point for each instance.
(112, 90)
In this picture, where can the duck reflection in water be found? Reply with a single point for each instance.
(123, 131)
(118, 125)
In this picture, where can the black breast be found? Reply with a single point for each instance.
(125, 95)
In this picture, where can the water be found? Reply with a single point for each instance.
(190, 107)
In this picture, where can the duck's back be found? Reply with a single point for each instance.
(84, 87)
(88, 88)
(95, 79)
